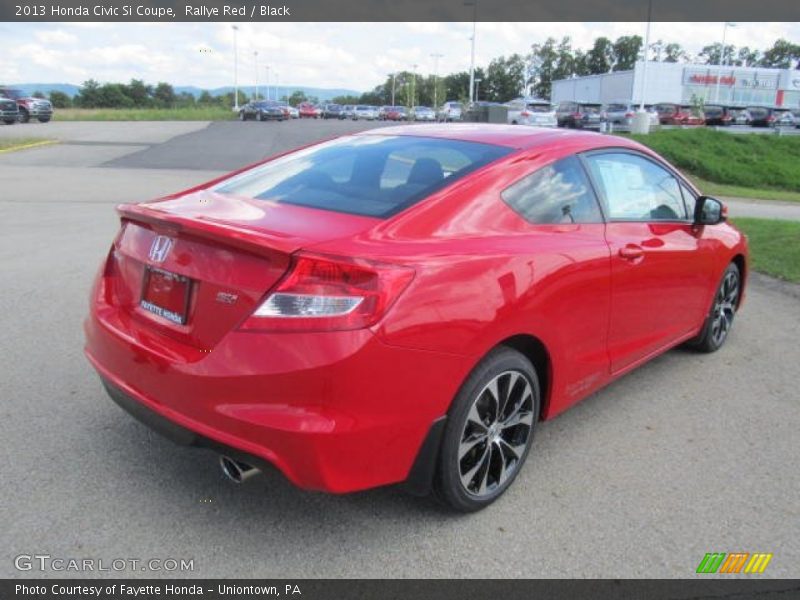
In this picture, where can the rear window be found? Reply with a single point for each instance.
(666, 109)
(540, 108)
(372, 175)
(617, 107)
(757, 113)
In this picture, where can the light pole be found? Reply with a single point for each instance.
(722, 57)
(277, 86)
(235, 70)
(413, 85)
(436, 56)
(477, 88)
(474, 5)
(255, 59)
(394, 75)
(267, 68)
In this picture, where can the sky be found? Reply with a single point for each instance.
(355, 56)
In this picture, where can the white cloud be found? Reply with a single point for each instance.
(351, 55)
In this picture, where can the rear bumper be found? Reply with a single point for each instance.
(336, 412)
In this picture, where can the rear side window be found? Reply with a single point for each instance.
(636, 189)
(557, 193)
(370, 175)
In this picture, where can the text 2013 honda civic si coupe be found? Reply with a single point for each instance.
(406, 304)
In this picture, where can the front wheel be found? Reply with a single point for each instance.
(719, 321)
(10, 121)
(489, 431)
(44, 119)
(24, 116)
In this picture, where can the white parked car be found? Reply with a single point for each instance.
(531, 111)
(362, 111)
(450, 111)
(422, 113)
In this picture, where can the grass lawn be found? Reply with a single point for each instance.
(741, 165)
(19, 143)
(211, 113)
(774, 246)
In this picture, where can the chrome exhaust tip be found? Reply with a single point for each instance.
(237, 471)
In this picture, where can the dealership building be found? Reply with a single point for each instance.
(679, 83)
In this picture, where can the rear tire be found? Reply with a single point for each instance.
(489, 431)
(10, 121)
(719, 321)
(44, 119)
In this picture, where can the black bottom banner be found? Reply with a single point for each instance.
(391, 589)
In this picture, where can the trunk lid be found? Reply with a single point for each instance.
(224, 252)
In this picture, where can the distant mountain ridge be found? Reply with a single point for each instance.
(72, 90)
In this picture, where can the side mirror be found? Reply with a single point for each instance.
(709, 211)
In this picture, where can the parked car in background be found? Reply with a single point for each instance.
(332, 111)
(675, 114)
(421, 113)
(293, 112)
(9, 111)
(449, 111)
(347, 111)
(412, 319)
(716, 114)
(620, 115)
(262, 110)
(796, 115)
(761, 116)
(578, 115)
(531, 111)
(395, 113)
(740, 116)
(28, 106)
(307, 110)
(365, 113)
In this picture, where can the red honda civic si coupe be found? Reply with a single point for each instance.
(406, 304)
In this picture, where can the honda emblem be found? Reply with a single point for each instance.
(160, 248)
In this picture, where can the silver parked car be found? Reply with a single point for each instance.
(620, 114)
(367, 113)
(422, 113)
(531, 111)
(450, 111)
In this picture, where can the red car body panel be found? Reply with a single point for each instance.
(681, 115)
(307, 111)
(346, 410)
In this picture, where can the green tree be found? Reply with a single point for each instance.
(713, 54)
(674, 53)
(139, 92)
(38, 94)
(626, 52)
(745, 57)
(206, 98)
(782, 55)
(542, 63)
(297, 97)
(164, 95)
(112, 95)
(89, 94)
(60, 99)
(601, 56)
(505, 78)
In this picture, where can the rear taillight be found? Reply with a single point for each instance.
(629, 115)
(322, 293)
(524, 113)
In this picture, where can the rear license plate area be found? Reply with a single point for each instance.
(166, 294)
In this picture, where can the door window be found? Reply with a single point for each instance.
(634, 188)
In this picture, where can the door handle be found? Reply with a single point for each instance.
(631, 252)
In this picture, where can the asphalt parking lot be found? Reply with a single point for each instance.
(687, 455)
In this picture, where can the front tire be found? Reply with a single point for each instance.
(44, 119)
(489, 431)
(723, 309)
(24, 116)
(10, 121)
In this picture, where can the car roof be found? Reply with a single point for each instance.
(511, 136)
